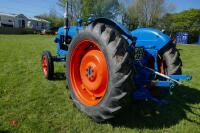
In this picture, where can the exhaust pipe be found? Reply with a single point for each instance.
(66, 23)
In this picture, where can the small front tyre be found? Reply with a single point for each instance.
(47, 65)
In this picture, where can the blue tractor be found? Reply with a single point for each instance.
(107, 65)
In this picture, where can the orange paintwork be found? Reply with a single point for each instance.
(88, 72)
(44, 65)
(161, 66)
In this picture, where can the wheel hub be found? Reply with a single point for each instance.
(91, 70)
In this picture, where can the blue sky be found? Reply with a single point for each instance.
(29, 7)
(35, 7)
(185, 4)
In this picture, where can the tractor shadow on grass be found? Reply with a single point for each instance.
(145, 115)
(2, 131)
(59, 76)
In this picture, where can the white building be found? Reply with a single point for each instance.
(21, 21)
(38, 24)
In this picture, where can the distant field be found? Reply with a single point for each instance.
(29, 103)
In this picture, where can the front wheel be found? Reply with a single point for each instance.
(99, 72)
(47, 65)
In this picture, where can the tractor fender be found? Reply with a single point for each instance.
(73, 31)
(119, 27)
(150, 38)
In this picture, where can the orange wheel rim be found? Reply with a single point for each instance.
(161, 65)
(44, 65)
(88, 72)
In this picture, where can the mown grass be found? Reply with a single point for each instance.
(30, 103)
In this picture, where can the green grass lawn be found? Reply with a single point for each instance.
(30, 103)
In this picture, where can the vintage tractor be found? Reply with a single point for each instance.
(106, 65)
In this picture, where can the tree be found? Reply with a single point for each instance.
(87, 8)
(148, 12)
(99, 8)
(130, 21)
(75, 7)
(106, 8)
(52, 17)
(185, 21)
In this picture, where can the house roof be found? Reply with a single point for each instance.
(30, 18)
(37, 19)
(12, 15)
(8, 14)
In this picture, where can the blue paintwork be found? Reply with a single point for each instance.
(165, 84)
(181, 77)
(79, 22)
(73, 31)
(199, 40)
(90, 19)
(150, 38)
(89, 71)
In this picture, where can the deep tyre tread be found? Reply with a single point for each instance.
(115, 49)
(50, 65)
(172, 59)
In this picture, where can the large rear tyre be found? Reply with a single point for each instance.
(99, 72)
(47, 65)
(172, 60)
(170, 63)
